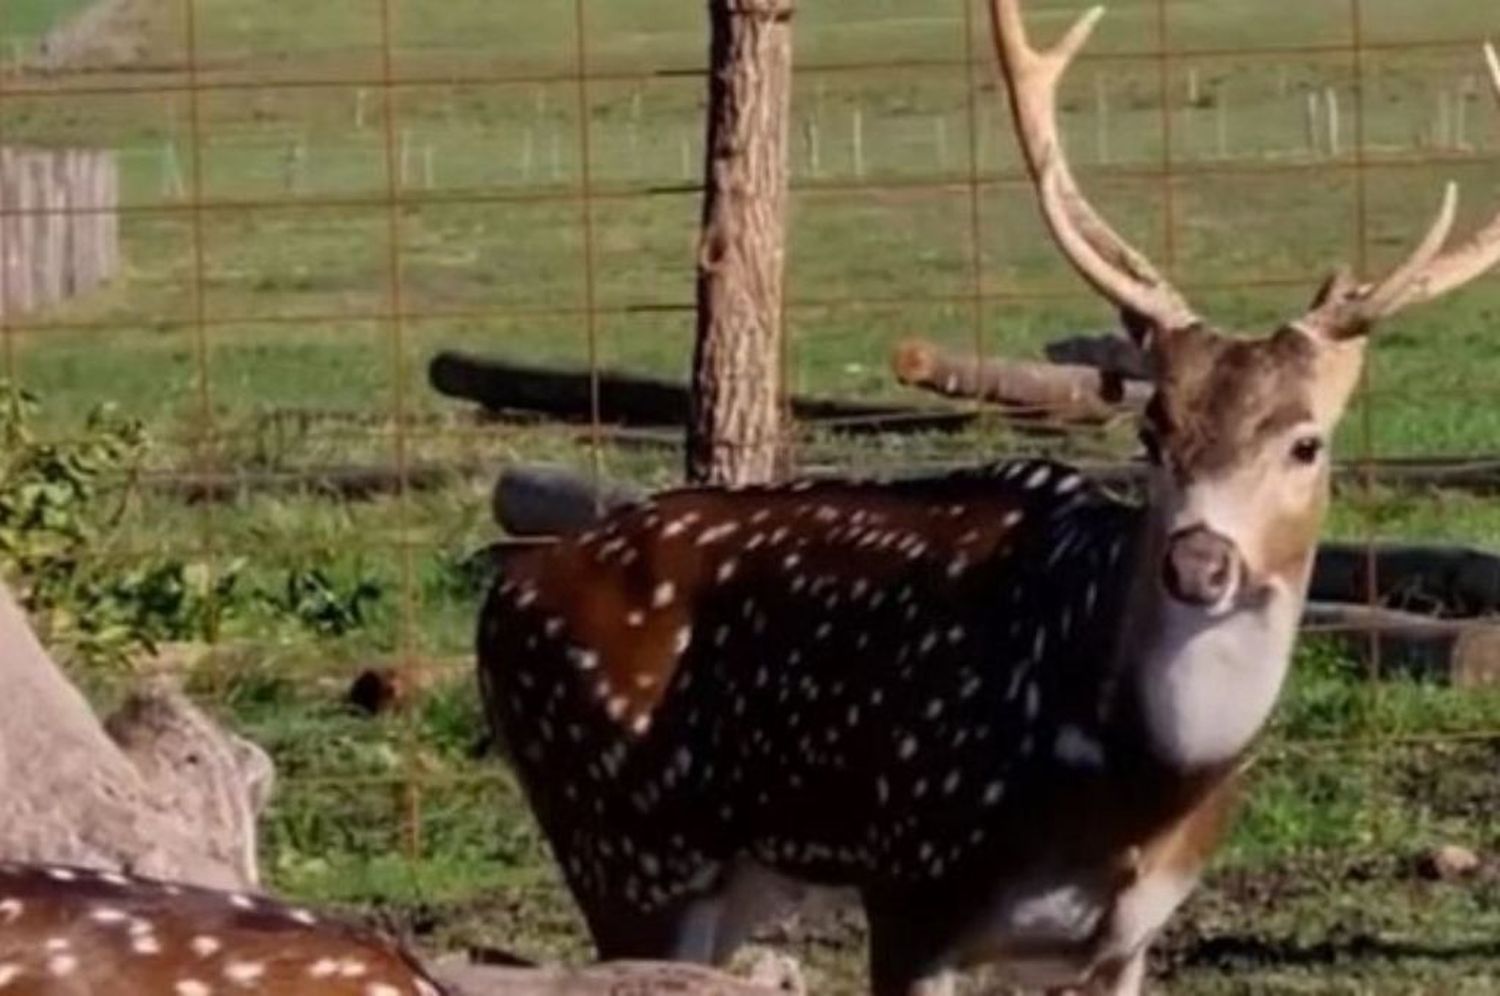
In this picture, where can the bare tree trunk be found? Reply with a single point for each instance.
(159, 790)
(734, 432)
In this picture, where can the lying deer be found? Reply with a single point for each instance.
(1008, 709)
(76, 931)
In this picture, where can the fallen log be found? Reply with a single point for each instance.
(1433, 580)
(158, 790)
(1108, 353)
(1463, 654)
(547, 501)
(1028, 389)
(619, 978)
(502, 387)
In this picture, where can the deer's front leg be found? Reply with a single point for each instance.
(1124, 978)
(909, 938)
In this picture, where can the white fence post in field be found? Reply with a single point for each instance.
(1101, 118)
(59, 228)
(1335, 137)
(857, 138)
(1314, 144)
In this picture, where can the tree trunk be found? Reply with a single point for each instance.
(734, 432)
(159, 790)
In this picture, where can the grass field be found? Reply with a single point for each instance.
(325, 199)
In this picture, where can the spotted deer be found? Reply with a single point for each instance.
(66, 930)
(1006, 708)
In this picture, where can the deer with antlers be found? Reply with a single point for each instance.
(1009, 710)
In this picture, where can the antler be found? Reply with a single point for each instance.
(1096, 250)
(1429, 273)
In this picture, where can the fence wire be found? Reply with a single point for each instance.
(302, 229)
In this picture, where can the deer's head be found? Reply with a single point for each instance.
(1238, 431)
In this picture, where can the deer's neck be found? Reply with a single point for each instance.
(1198, 689)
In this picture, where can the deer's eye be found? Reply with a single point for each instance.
(1307, 450)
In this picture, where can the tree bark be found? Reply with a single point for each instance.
(159, 790)
(735, 432)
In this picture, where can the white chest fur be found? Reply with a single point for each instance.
(1209, 684)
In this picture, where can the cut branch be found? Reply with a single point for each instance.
(1036, 390)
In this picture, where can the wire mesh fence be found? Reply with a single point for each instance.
(314, 201)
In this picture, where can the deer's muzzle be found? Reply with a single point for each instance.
(1202, 568)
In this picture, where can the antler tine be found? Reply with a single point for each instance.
(1427, 275)
(1100, 255)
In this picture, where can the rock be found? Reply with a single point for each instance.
(377, 690)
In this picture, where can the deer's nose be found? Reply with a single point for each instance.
(1201, 567)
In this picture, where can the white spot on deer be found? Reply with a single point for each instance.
(62, 964)
(722, 531)
(950, 784)
(323, 968)
(726, 570)
(352, 968)
(114, 878)
(683, 639)
(617, 706)
(641, 724)
(1038, 477)
(553, 625)
(635, 618)
(1078, 748)
(993, 792)
(663, 595)
(934, 709)
(145, 944)
(56, 944)
(908, 747)
(381, 989)
(205, 946)
(100, 914)
(1012, 518)
(9, 972)
(190, 987)
(526, 597)
(1033, 700)
(675, 528)
(304, 917)
(243, 973)
(584, 660)
(10, 910)
(790, 561)
(61, 874)
(241, 901)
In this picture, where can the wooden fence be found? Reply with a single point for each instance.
(59, 225)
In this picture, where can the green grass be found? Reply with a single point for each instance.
(278, 296)
(23, 21)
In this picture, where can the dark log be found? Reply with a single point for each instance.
(1108, 353)
(548, 501)
(1432, 580)
(1037, 390)
(505, 388)
(1463, 654)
